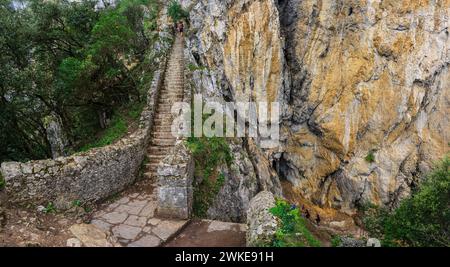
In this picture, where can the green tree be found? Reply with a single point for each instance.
(421, 220)
(292, 231)
(71, 59)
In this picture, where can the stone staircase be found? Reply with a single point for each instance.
(130, 219)
(172, 91)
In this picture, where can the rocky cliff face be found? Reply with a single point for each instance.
(354, 78)
(366, 76)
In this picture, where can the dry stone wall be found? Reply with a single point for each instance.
(175, 179)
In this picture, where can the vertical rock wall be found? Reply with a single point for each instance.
(354, 78)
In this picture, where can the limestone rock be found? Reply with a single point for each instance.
(240, 186)
(351, 77)
(90, 235)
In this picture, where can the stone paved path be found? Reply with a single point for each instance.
(131, 219)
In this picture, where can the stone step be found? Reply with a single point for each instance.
(171, 89)
(173, 92)
(150, 174)
(152, 166)
(162, 135)
(164, 118)
(162, 128)
(163, 121)
(156, 157)
(165, 108)
(159, 150)
(165, 113)
(174, 82)
(163, 142)
(167, 105)
(168, 102)
(169, 131)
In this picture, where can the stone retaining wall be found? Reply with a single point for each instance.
(87, 177)
(175, 179)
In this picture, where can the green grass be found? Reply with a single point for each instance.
(118, 127)
(135, 111)
(421, 220)
(370, 157)
(292, 231)
(76, 203)
(205, 193)
(50, 208)
(193, 67)
(336, 241)
(115, 131)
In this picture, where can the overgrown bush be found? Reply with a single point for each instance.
(72, 59)
(336, 241)
(209, 154)
(176, 11)
(422, 220)
(370, 157)
(293, 231)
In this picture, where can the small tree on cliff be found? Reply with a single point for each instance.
(176, 11)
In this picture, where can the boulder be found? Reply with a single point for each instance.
(261, 224)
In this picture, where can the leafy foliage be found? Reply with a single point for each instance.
(50, 208)
(422, 220)
(336, 241)
(370, 157)
(71, 59)
(176, 11)
(209, 154)
(117, 130)
(293, 231)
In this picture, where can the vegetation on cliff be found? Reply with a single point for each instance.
(176, 11)
(421, 220)
(292, 231)
(209, 154)
(75, 60)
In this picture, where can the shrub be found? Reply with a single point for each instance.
(209, 154)
(176, 11)
(50, 208)
(114, 132)
(293, 231)
(421, 220)
(336, 241)
(370, 157)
